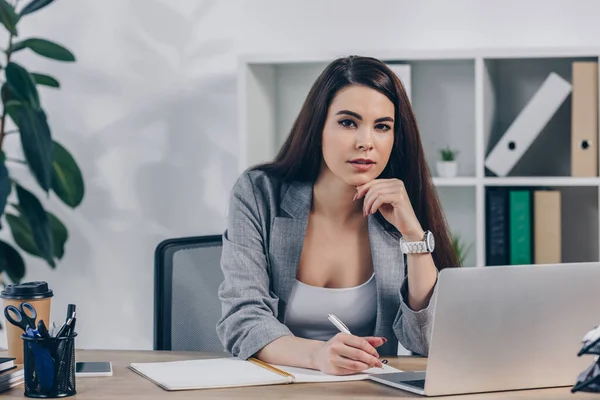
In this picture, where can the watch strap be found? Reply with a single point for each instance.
(414, 247)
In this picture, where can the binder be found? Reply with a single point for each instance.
(527, 126)
(584, 119)
(520, 226)
(547, 226)
(497, 238)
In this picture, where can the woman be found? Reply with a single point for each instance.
(341, 222)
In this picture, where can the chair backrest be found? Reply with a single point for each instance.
(187, 275)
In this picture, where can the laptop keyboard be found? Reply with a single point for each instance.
(420, 383)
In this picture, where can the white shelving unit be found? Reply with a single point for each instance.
(465, 99)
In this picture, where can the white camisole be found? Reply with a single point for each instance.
(308, 307)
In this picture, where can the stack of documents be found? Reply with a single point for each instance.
(11, 375)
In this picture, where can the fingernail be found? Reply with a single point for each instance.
(384, 340)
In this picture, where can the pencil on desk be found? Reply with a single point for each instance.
(272, 368)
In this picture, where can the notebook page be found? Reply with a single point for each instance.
(206, 373)
(304, 375)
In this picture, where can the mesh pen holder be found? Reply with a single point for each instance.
(49, 366)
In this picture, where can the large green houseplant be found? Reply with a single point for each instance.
(34, 230)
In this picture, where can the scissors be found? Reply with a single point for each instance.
(23, 319)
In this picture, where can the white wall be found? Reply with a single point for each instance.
(149, 112)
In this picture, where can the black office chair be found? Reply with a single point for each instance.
(187, 275)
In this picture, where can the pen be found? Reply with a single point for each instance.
(64, 328)
(343, 328)
(338, 323)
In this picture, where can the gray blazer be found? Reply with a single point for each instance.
(262, 245)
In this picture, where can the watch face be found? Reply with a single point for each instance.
(430, 241)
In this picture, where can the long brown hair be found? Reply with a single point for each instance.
(300, 157)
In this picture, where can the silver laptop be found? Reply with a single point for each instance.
(507, 328)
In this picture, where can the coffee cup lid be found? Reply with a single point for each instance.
(27, 291)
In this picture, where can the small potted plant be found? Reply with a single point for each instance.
(447, 167)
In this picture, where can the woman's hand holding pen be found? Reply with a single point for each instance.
(346, 354)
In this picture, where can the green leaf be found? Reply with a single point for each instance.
(67, 181)
(6, 94)
(37, 219)
(24, 237)
(21, 85)
(45, 48)
(47, 80)
(8, 17)
(34, 5)
(4, 185)
(12, 106)
(11, 262)
(59, 235)
(22, 234)
(36, 141)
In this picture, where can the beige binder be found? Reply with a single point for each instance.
(584, 119)
(547, 236)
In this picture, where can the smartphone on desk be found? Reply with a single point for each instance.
(93, 368)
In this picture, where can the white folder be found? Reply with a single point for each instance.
(528, 124)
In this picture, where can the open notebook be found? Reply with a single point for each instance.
(235, 372)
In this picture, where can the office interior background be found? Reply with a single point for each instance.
(150, 112)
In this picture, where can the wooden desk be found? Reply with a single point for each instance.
(126, 384)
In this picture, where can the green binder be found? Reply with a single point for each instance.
(520, 227)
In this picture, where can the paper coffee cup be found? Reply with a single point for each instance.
(39, 296)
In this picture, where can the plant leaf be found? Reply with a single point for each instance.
(6, 94)
(4, 185)
(22, 234)
(45, 48)
(59, 235)
(8, 17)
(43, 79)
(11, 262)
(38, 221)
(34, 5)
(24, 237)
(36, 141)
(67, 181)
(21, 85)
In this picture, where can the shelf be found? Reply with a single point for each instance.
(458, 181)
(578, 220)
(464, 99)
(541, 181)
(443, 100)
(419, 54)
(516, 181)
(459, 205)
(510, 85)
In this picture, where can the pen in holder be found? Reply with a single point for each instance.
(49, 365)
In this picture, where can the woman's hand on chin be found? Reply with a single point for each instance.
(389, 196)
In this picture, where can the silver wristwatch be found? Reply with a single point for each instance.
(424, 246)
